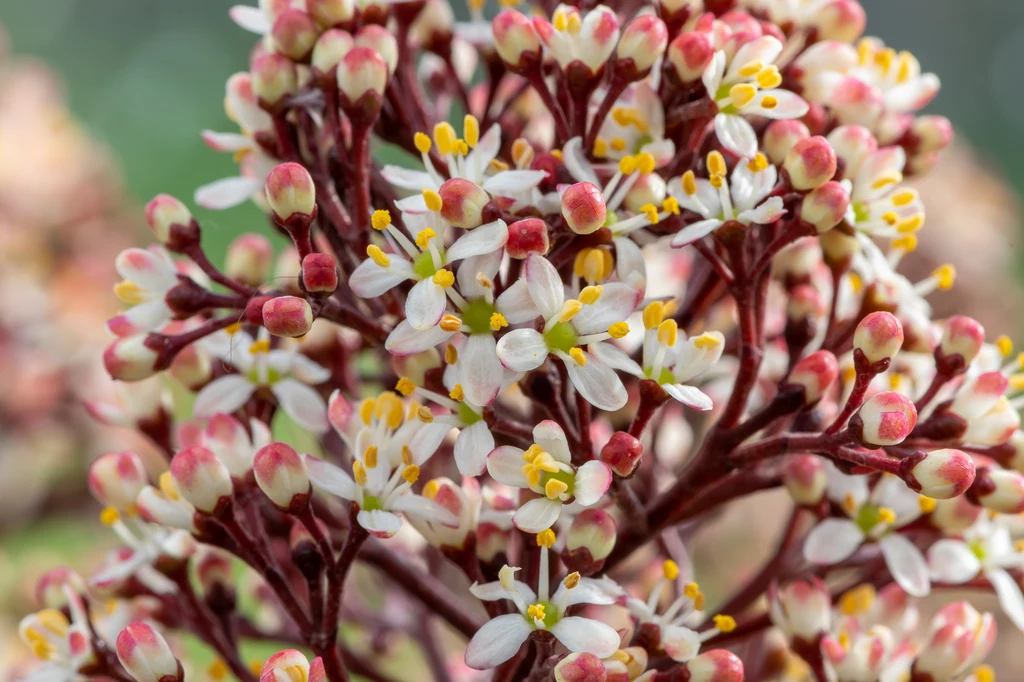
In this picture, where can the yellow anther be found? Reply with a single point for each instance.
(546, 538)
(742, 94)
(370, 457)
(411, 473)
(522, 152)
(109, 516)
(689, 183)
(531, 452)
(885, 59)
(406, 455)
(405, 386)
(570, 309)
(668, 333)
(475, 6)
(849, 503)
(903, 197)
(716, 163)
(650, 212)
(911, 223)
(1020, 360)
(450, 323)
(532, 475)
(572, 580)
(618, 330)
(41, 648)
(706, 341)
(497, 165)
(444, 137)
(645, 162)
(856, 283)
(927, 504)
(218, 670)
(654, 313)
(618, 144)
(600, 148)
(381, 218)
(535, 611)
(256, 666)
(984, 673)
(945, 276)
(758, 163)
(593, 264)
(886, 515)
(724, 623)
(431, 489)
(691, 590)
(497, 321)
(591, 294)
(471, 130)
(886, 179)
(432, 199)
(1017, 381)
(461, 147)
(717, 181)
(423, 238)
(451, 354)
(769, 78)
(857, 600)
(424, 414)
(906, 243)
(259, 346)
(848, 374)
(457, 393)
(574, 24)
(444, 278)
(167, 485)
(545, 462)
(627, 164)
(366, 409)
(670, 569)
(422, 142)
(578, 356)
(1005, 345)
(129, 292)
(698, 601)
(375, 254)
(890, 218)
(670, 205)
(894, 382)
(553, 488)
(359, 472)
(844, 641)
(389, 409)
(751, 69)
(233, 329)
(769, 102)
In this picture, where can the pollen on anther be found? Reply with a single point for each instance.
(670, 569)
(381, 218)
(546, 538)
(405, 386)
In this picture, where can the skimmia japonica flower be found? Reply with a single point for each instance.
(597, 270)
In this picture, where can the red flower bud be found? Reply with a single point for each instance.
(273, 78)
(526, 237)
(840, 20)
(963, 336)
(825, 206)
(163, 213)
(622, 453)
(643, 40)
(50, 590)
(781, 136)
(852, 144)
(290, 191)
(931, 133)
(250, 257)
(689, 54)
(580, 666)
(1004, 491)
(381, 41)
(810, 163)
(293, 34)
(363, 72)
(287, 316)
(462, 202)
(331, 12)
(130, 359)
(942, 474)
(515, 40)
(583, 208)
(144, 653)
(887, 419)
(879, 336)
(319, 273)
(330, 49)
(717, 665)
(594, 530)
(805, 479)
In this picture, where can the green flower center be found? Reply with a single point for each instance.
(562, 336)
(666, 376)
(478, 316)
(423, 264)
(371, 503)
(549, 611)
(273, 376)
(566, 477)
(860, 211)
(977, 548)
(467, 415)
(868, 516)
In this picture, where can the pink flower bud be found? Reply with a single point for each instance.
(290, 191)
(293, 34)
(942, 474)
(515, 40)
(801, 609)
(643, 40)
(331, 47)
(362, 72)
(963, 336)
(810, 163)
(285, 666)
(117, 478)
(288, 316)
(319, 273)
(689, 54)
(816, 373)
(717, 665)
(273, 78)
(462, 202)
(948, 652)
(931, 133)
(887, 419)
(213, 569)
(580, 666)
(781, 136)
(852, 144)
(130, 359)
(526, 237)
(583, 208)
(805, 302)
(144, 653)
(805, 479)
(281, 475)
(51, 588)
(164, 212)
(250, 257)
(381, 41)
(838, 248)
(622, 453)
(1003, 491)
(840, 20)
(879, 336)
(201, 478)
(593, 530)
(825, 206)
(331, 12)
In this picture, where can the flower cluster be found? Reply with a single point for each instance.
(642, 261)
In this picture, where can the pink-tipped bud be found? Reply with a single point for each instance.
(805, 302)
(838, 248)
(580, 666)
(526, 237)
(886, 419)
(381, 41)
(288, 316)
(622, 453)
(515, 40)
(592, 530)
(825, 206)
(689, 54)
(201, 478)
(583, 208)
(144, 653)
(130, 359)
(781, 136)
(281, 475)
(250, 257)
(50, 589)
(643, 41)
(165, 212)
(816, 373)
(1001, 490)
(319, 273)
(286, 666)
(840, 20)
(805, 479)
(273, 78)
(117, 478)
(717, 665)
(810, 163)
(213, 569)
(942, 474)
(462, 202)
(963, 336)
(931, 133)
(879, 336)
(801, 609)
(362, 72)
(293, 34)
(331, 12)
(331, 47)
(946, 655)
(290, 191)
(852, 144)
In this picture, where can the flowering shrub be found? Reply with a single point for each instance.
(487, 342)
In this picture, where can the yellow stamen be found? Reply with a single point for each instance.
(856, 283)
(758, 163)
(553, 488)
(422, 142)
(451, 354)
(857, 600)
(575, 24)
(167, 485)
(618, 144)
(670, 569)
(742, 94)
(886, 515)
(670, 205)
(405, 386)
(497, 321)
(927, 504)
(450, 323)
(411, 473)
(406, 455)
(423, 238)
(444, 137)
(433, 199)
(591, 294)
(381, 218)
(535, 611)
(894, 382)
(259, 346)
(546, 538)
(1017, 381)
(627, 165)
(600, 148)
(689, 183)
(911, 224)
(457, 393)
(691, 590)
(444, 278)
(570, 309)
(366, 409)
(618, 330)
(654, 313)
(751, 69)
(129, 292)
(497, 165)
(769, 102)
(668, 333)
(522, 152)
(471, 130)
(233, 329)
(906, 243)
(886, 179)
(769, 78)
(378, 256)
(650, 212)
(359, 472)
(945, 276)
(717, 181)
(572, 580)
(218, 670)
(1005, 345)
(578, 356)
(724, 623)
(706, 342)
(645, 163)
(425, 415)
(903, 197)
(370, 457)
(109, 516)
(984, 673)
(698, 601)
(890, 218)
(716, 163)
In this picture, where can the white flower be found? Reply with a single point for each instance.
(986, 550)
(227, 438)
(596, 316)
(879, 203)
(144, 543)
(748, 85)
(286, 373)
(546, 468)
(466, 502)
(260, 20)
(743, 198)
(64, 646)
(132, 402)
(571, 37)
(875, 515)
(635, 125)
(387, 449)
(148, 275)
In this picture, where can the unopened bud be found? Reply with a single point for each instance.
(50, 589)
(955, 515)
(515, 40)
(805, 479)
(273, 78)
(852, 144)
(526, 237)
(330, 13)
(810, 163)
(286, 666)
(144, 653)
(942, 474)
(643, 40)
(887, 419)
(163, 213)
(801, 609)
(319, 273)
(117, 478)
(717, 665)
(293, 34)
(879, 336)
(689, 54)
(287, 270)
(331, 47)
(381, 41)
(580, 666)
(816, 373)
(583, 208)
(213, 569)
(825, 206)
(805, 302)
(201, 478)
(840, 20)
(781, 136)
(287, 316)
(463, 202)
(363, 72)
(963, 336)
(931, 133)
(281, 475)
(593, 530)
(947, 653)
(290, 191)
(250, 257)
(622, 453)
(1001, 490)
(130, 359)
(838, 248)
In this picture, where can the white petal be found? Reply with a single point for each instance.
(369, 280)
(332, 479)
(695, 231)
(536, 515)
(1010, 597)
(906, 564)
(681, 643)
(303, 404)
(576, 162)
(424, 509)
(144, 317)
(598, 384)
(512, 182)
(832, 541)
(736, 135)
(588, 591)
(152, 270)
(406, 340)
(628, 258)
(952, 561)
(480, 369)
(522, 350)
(768, 212)
(505, 465)
(551, 438)
(545, 284)
(612, 356)
(714, 72)
(476, 242)
(516, 304)
(788, 105)
(406, 178)
(225, 394)
(427, 440)
(226, 142)
(592, 481)
(382, 524)
(425, 304)
(617, 302)
(493, 591)
(252, 19)
(227, 192)
(307, 371)
(586, 634)
(497, 641)
(471, 268)
(487, 147)
(472, 447)
(764, 49)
